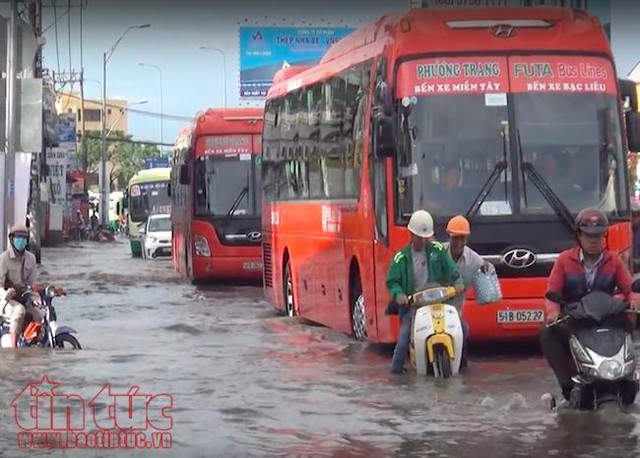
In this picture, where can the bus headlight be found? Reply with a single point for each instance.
(201, 246)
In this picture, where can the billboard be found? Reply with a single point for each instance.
(600, 8)
(265, 50)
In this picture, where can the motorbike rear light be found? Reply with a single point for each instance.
(201, 246)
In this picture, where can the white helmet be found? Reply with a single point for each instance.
(421, 224)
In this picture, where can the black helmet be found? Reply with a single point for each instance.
(591, 221)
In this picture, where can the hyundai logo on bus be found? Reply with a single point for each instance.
(503, 30)
(519, 258)
(254, 236)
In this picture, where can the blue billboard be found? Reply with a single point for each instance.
(264, 51)
(155, 162)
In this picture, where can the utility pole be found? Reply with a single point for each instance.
(11, 123)
(34, 209)
(83, 136)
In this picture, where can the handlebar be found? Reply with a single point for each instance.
(567, 317)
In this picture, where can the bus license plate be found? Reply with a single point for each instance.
(520, 316)
(252, 265)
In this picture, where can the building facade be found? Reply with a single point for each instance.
(117, 116)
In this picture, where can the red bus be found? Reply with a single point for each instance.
(512, 117)
(215, 189)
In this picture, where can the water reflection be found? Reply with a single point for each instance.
(246, 382)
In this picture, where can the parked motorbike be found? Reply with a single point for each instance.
(602, 350)
(46, 333)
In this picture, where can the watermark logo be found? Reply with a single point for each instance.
(47, 418)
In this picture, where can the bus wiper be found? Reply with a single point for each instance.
(486, 188)
(549, 195)
(236, 204)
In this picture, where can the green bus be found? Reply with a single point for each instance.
(147, 194)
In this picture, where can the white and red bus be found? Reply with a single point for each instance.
(215, 189)
(510, 116)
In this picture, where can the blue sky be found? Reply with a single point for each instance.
(192, 77)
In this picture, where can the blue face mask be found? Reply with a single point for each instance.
(20, 243)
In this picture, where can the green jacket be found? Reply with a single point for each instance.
(442, 270)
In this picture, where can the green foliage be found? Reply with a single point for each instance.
(127, 158)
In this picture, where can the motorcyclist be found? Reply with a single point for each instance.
(469, 263)
(584, 268)
(18, 268)
(417, 266)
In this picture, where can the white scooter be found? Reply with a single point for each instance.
(436, 337)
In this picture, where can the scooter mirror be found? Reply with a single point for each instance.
(554, 297)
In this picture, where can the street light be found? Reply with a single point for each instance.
(122, 111)
(104, 182)
(142, 64)
(224, 70)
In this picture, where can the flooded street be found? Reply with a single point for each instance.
(246, 382)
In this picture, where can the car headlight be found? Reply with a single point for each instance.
(201, 246)
(610, 369)
(152, 239)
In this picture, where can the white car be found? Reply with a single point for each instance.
(156, 240)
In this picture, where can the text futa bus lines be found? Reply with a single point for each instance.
(147, 194)
(216, 196)
(510, 116)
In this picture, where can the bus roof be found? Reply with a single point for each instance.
(151, 175)
(422, 31)
(221, 121)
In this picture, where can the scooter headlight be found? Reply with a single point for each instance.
(629, 352)
(579, 351)
(610, 369)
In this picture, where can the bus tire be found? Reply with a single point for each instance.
(357, 307)
(287, 289)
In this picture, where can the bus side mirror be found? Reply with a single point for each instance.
(169, 189)
(184, 174)
(384, 138)
(632, 119)
(125, 199)
(384, 98)
(117, 208)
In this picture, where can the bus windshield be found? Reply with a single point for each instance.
(455, 135)
(148, 199)
(227, 184)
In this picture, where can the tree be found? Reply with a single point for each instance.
(126, 156)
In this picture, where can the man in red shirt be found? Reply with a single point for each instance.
(586, 267)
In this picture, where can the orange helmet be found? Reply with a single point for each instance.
(458, 225)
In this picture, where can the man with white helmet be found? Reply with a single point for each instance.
(18, 268)
(422, 263)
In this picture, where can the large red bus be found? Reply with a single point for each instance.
(215, 188)
(512, 117)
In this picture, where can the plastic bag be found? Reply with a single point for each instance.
(487, 287)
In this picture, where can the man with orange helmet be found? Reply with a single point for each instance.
(18, 268)
(469, 263)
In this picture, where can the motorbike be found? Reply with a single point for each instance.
(602, 350)
(436, 335)
(47, 333)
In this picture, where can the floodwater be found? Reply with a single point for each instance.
(245, 382)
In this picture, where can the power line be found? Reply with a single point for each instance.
(126, 140)
(133, 110)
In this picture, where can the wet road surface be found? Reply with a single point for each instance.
(246, 382)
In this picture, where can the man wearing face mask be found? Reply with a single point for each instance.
(17, 269)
